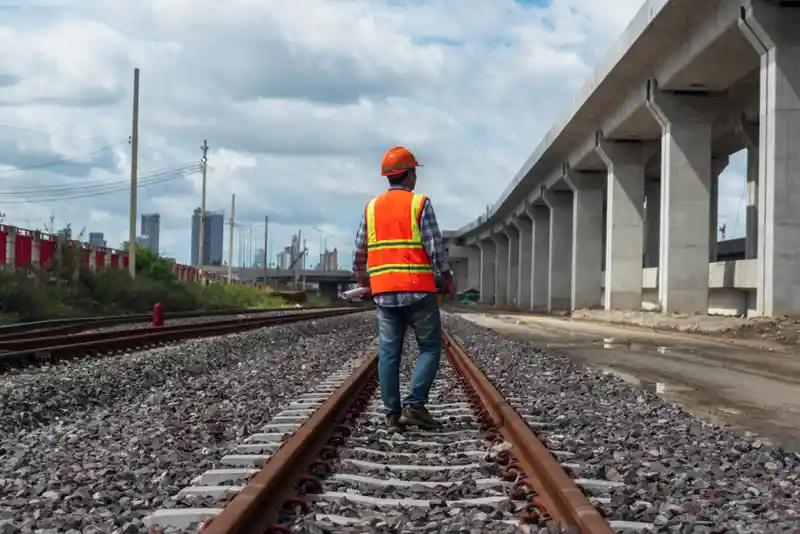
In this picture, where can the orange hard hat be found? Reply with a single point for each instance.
(397, 160)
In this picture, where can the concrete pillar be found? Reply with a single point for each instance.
(473, 267)
(459, 267)
(525, 254)
(718, 164)
(625, 228)
(92, 258)
(652, 239)
(748, 132)
(487, 249)
(540, 256)
(685, 197)
(512, 234)
(36, 250)
(773, 32)
(501, 270)
(11, 242)
(587, 238)
(559, 289)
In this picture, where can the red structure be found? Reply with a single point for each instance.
(26, 249)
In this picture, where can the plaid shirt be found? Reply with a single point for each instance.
(432, 241)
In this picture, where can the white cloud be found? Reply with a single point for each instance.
(298, 101)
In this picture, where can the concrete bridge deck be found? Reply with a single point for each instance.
(617, 207)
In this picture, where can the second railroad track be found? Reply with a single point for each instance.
(15, 353)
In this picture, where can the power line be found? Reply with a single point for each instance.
(112, 187)
(63, 160)
(91, 194)
(47, 190)
(51, 134)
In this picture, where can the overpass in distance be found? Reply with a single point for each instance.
(617, 206)
(311, 275)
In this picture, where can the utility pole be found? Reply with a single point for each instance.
(230, 238)
(266, 242)
(134, 175)
(201, 246)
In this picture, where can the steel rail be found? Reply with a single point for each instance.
(556, 493)
(80, 345)
(256, 508)
(44, 341)
(79, 324)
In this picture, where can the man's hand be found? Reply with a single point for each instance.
(448, 287)
(362, 280)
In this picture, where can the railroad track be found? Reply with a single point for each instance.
(27, 351)
(327, 464)
(53, 327)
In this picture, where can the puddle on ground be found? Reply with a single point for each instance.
(660, 388)
(663, 388)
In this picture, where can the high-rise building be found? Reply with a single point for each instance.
(213, 237)
(329, 260)
(97, 239)
(151, 228)
(258, 258)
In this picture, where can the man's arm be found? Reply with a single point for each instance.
(360, 253)
(434, 246)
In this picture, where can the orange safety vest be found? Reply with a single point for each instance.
(396, 258)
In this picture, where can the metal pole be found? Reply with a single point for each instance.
(252, 245)
(134, 175)
(201, 246)
(230, 238)
(266, 255)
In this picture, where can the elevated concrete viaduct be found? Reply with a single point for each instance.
(617, 207)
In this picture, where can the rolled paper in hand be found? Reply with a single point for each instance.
(356, 294)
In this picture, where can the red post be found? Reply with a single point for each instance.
(158, 315)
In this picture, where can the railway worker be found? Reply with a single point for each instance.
(398, 253)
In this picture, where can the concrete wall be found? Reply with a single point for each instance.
(731, 287)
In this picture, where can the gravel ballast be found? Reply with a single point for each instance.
(452, 472)
(96, 444)
(680, 473)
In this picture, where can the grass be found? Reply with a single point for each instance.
(72, 290)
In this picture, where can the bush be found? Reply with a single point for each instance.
(69, 289)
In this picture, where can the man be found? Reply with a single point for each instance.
(398, 252)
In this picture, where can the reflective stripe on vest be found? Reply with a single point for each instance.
(396, 257)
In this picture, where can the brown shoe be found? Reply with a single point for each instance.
(419, 416)
(393, 423)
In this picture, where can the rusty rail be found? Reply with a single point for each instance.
(556, 493)
(257, 507)
(32, 351)
(53, 327)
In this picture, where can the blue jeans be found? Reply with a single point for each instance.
(423, 317)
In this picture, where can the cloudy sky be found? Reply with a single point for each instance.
(298, 100)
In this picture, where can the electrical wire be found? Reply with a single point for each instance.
(83, 186)
(111, 187)
(91, 194)
(50, 134)
(64, 160)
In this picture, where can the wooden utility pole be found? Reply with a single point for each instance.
(134, 176)
(201, 248)
(230, 238)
